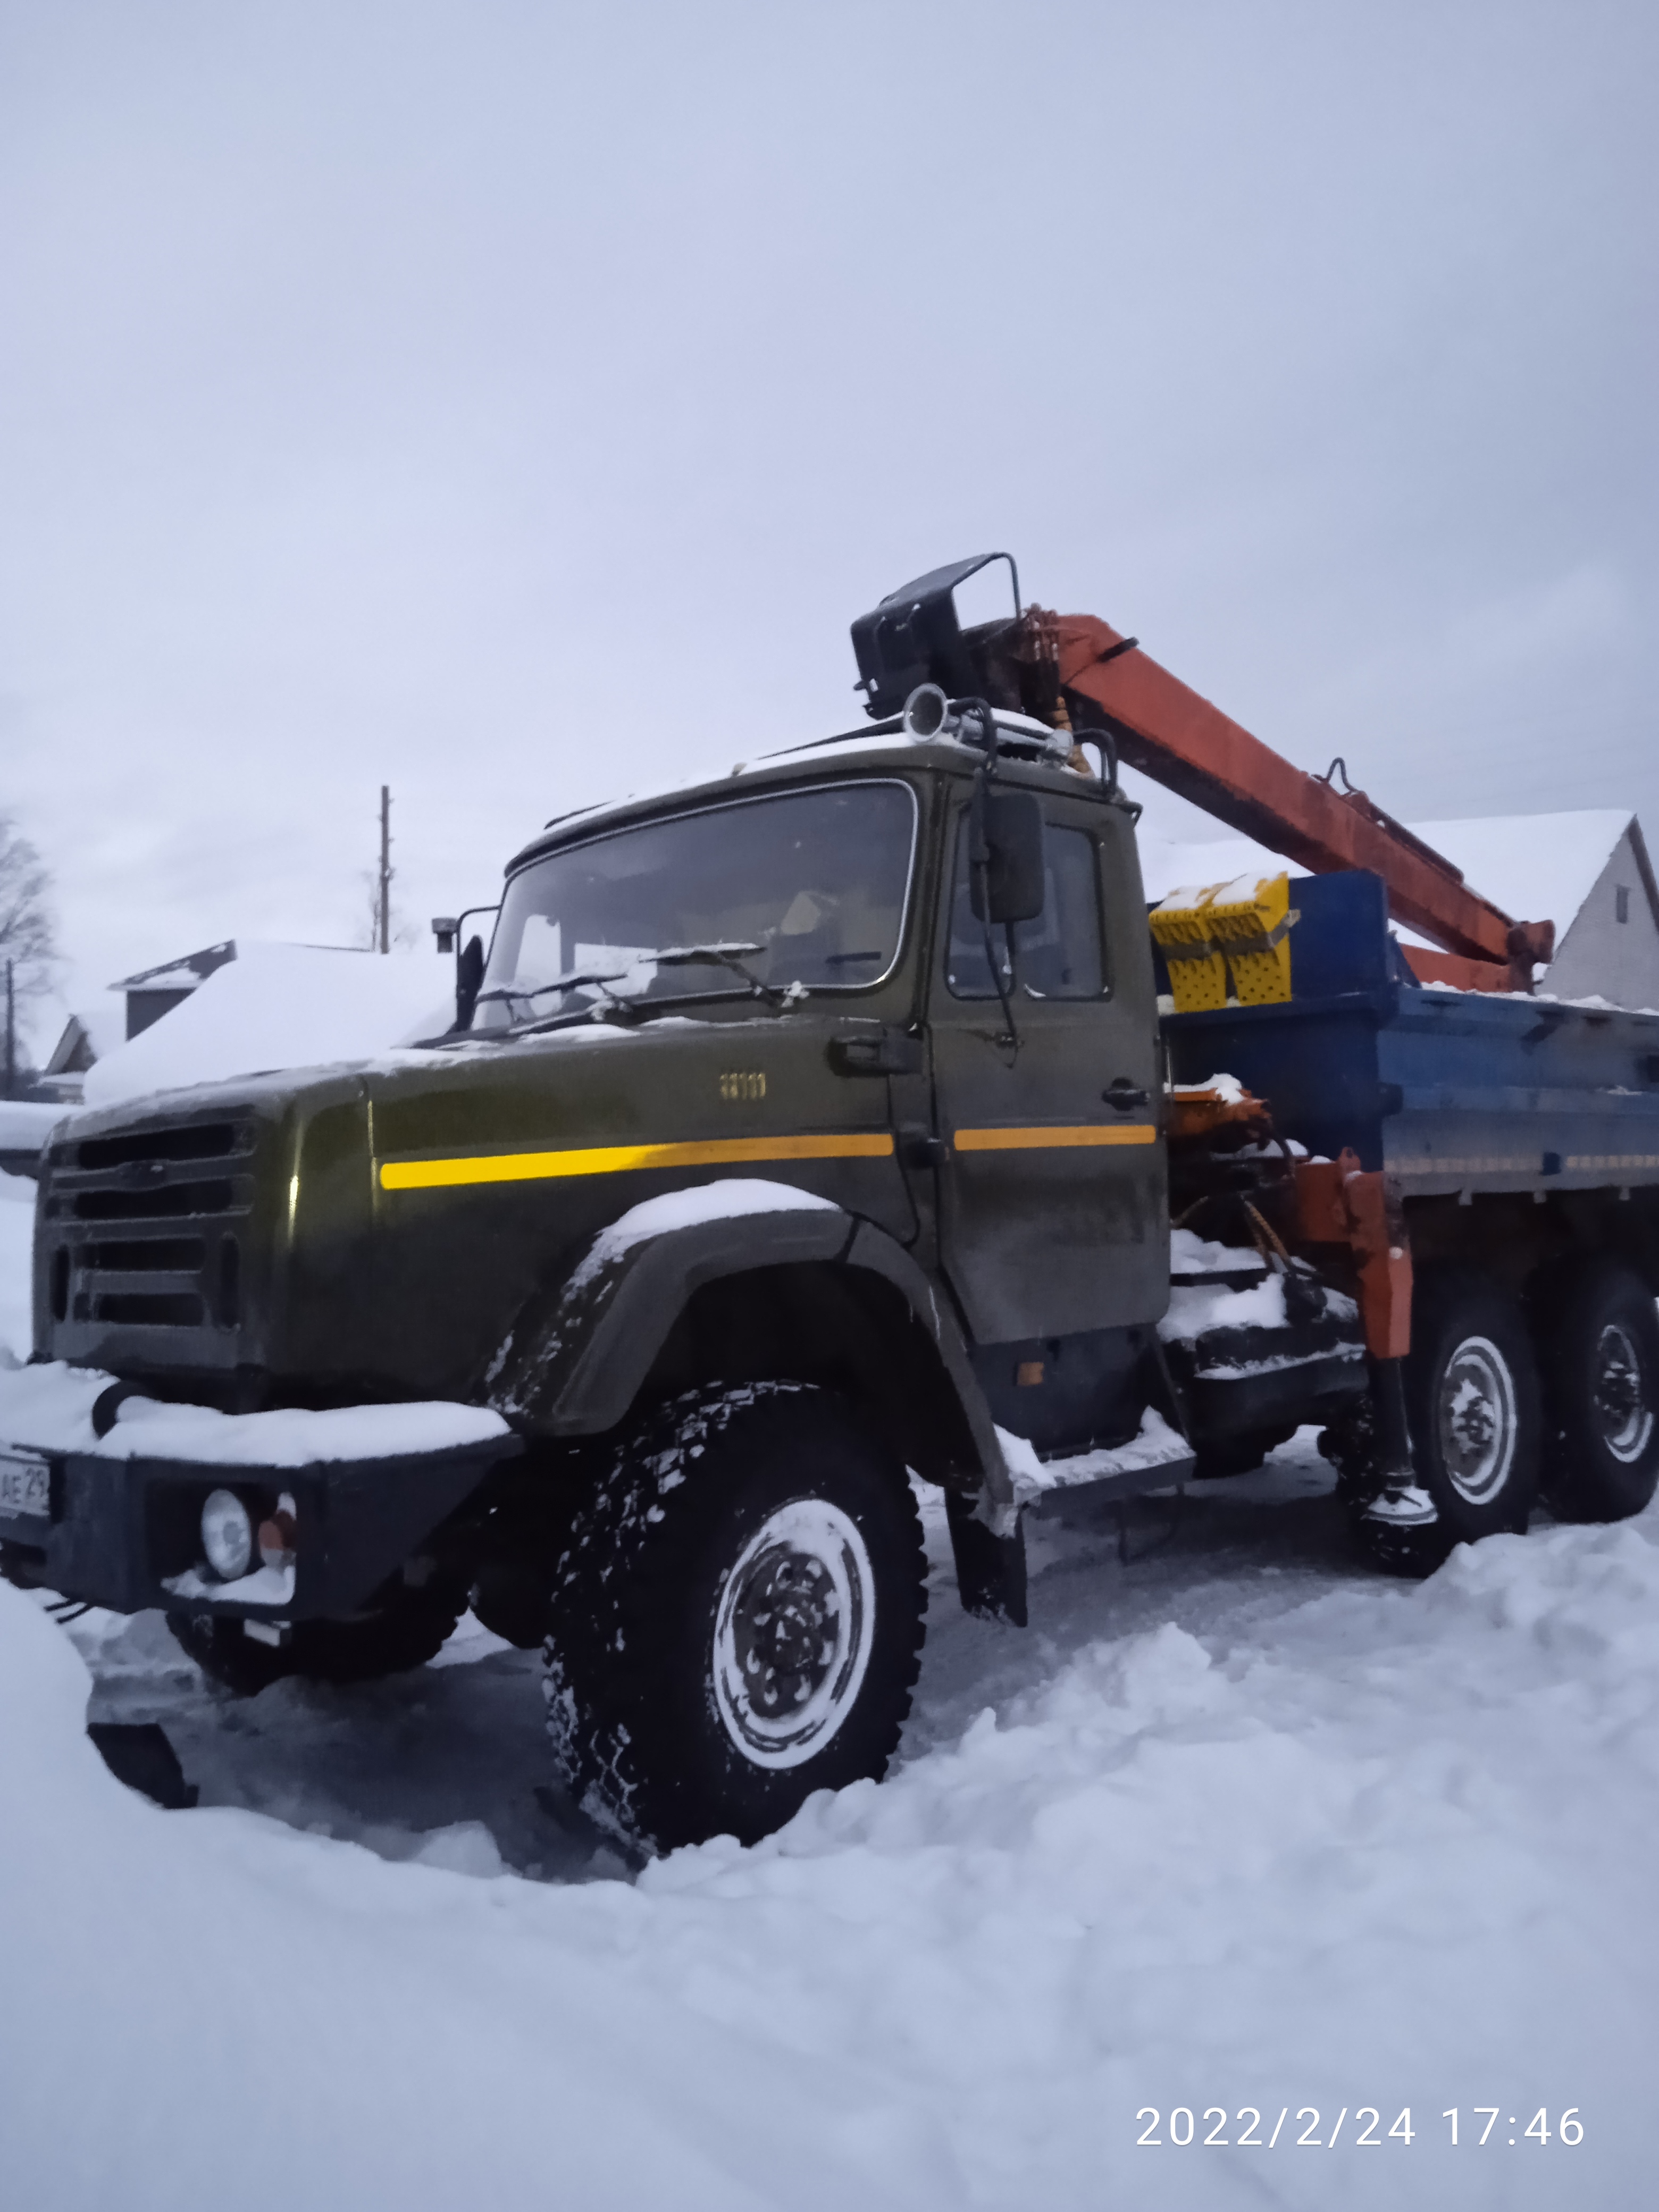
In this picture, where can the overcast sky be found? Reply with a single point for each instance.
(511, 403)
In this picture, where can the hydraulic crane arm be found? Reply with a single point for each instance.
(1076, 669)
(1172, 735)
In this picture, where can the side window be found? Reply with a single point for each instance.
(1061, 955)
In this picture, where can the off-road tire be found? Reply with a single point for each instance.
(668, 1642)
(405, 1630)
(1474, 1411)
(1598, 1345)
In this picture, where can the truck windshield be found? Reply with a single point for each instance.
(809, 887)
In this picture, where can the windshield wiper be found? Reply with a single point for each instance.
(729, 956)
(578, 979)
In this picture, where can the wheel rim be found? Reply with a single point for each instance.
(1477, 1419)
(1619, 1393)
(793, 1632)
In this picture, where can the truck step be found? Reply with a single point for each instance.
(1154, 1460)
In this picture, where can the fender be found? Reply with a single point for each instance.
(574, 1362)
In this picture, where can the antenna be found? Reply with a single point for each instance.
(385, 944)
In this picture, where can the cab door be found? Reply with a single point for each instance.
(1050, 1153)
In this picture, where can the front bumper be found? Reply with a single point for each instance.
(124, 1533)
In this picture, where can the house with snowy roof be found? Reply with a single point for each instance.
(91, 1034)
(1588, 871)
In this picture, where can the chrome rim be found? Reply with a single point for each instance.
(792, 1634)
(1477, 1419)
(1619, 1393)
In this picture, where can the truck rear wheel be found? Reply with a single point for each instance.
(1599, 1345)
(1472, 1403)
(407, 1629)
(738, 1617)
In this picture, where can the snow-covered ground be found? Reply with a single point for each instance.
(1233, 1827)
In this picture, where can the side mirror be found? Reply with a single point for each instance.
(469, 981)
(445, 928)
(1006, 879)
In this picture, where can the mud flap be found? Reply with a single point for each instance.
(990, 1569)
(140, 1755)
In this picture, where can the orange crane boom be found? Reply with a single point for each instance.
(1171, 733)
(1077, 669)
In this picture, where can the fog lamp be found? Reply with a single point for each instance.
(227, 1534)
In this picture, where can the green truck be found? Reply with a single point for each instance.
(803, 1138)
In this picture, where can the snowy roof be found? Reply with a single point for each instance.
(277, 1006)
(103, 1027)
(1537, 867)
(181, 974)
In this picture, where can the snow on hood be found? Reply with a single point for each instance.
(280, 1006)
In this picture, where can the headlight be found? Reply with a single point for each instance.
(227, 1534)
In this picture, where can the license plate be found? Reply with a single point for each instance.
(24, 1487)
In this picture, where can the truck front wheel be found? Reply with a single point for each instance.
(737, 1619)
(1599, 1343)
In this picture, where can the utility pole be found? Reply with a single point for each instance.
(385, 868)
(11, 1033)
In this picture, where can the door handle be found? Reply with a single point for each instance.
(875, 1052)
(1122, 1096)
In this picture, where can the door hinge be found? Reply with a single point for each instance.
(920, 1148)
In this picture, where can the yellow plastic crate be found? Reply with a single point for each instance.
(1240, 928)
(1198, 972)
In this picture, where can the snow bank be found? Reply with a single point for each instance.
(281, 1005)
(1398, 1854)
(1393, 1848)
(1395, 1853)
(51, 1407)
(204, 2010)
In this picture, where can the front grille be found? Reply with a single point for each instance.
(173, 1260)
(170, 1202)
(148, 1255)
(157, 1310)
(200, 1140)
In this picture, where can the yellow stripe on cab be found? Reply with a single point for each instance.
(1046, 1141)
(618, 1159)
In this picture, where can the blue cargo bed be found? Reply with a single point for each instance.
(1451, 1091)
